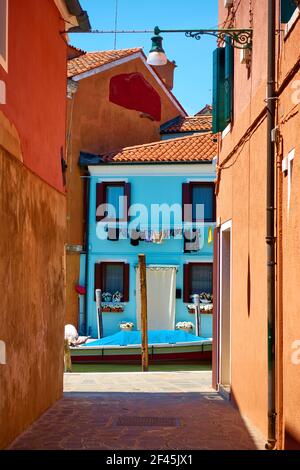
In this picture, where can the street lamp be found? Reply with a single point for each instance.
(157, 54)
(241, 39)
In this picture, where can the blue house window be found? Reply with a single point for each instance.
(198, 278)
(113, 195)
(201, 197)
(116, 194)
(113, 277)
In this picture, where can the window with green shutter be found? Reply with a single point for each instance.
(287, 9)
(229, 76)
(218, 121)
(223, 74)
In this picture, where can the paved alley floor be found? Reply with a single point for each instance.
(154, 410)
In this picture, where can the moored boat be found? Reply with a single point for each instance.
(125, 347)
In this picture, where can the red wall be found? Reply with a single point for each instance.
(36, 85)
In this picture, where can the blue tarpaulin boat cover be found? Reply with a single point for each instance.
(123, 338)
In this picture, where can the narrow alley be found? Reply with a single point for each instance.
(149, 243)
(154, 410)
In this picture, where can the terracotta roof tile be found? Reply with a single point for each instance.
(184, 149)
(187, 124)
(92, 60)
(205, 111)
(74, 52)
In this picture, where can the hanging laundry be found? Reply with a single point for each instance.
(113, 234)
(210, 236)
(157, 237)
(191, 240)
(123, 235)
(148, 236)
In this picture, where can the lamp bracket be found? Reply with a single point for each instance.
(241, 38)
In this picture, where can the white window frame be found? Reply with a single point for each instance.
(226, 131)
(226, 226)
(290, 159)
(4, 60)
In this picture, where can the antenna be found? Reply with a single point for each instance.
(116, 25)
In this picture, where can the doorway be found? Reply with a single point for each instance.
(225, 306)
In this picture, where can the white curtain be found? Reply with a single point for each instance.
(161, 297)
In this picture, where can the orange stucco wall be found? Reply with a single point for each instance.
(242, 198)
(32, 303)
(97, 125)
(33, 216)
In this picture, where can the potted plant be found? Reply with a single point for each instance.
(117, 296)
(205, 298)
(126, 326)
(106, 296)
(105, 308)
(206, 308)
(187, 326)
(191, 308)
(116, 308)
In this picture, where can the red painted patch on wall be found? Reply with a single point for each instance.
(132, 91)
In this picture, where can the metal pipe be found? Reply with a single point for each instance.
(87, 261)
(99, 313)
(270, 226)
(196, 302)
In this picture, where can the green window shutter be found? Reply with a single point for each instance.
(219, 122)
(287, 9)
(229, 69)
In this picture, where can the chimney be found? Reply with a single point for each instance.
(166, 73)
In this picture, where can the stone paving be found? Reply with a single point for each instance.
(163, 411)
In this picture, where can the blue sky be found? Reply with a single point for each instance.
(193, 75)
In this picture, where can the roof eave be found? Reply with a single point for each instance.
(185, 162)
(81, 15)
(187, 133)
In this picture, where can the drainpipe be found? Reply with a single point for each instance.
(87, 255)
(270, 229)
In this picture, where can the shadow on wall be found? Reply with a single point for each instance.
(291, 443)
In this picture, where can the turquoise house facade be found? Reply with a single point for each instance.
(149, 186)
